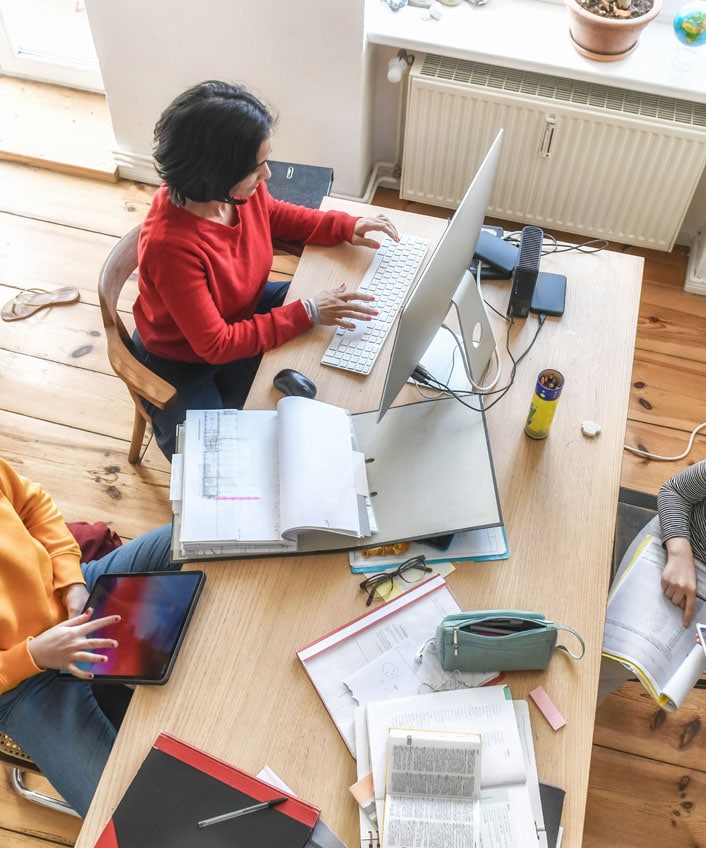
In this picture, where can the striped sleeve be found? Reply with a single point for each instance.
(682, 508)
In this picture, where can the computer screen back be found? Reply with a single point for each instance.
(429, 303)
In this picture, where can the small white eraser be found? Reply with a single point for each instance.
(547, 708)
(590, 429)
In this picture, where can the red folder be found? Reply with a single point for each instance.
(178, 785)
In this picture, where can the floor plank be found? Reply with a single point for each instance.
(667, 391)
(40, 254)
(630, 721)
(88, 474)
(27, 825)
(104, 208)
(635, 802)
(29, 107)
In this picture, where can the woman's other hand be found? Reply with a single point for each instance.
(380, 223)
(337, 307)
(74, 597)
(69, 642)
(679, 576)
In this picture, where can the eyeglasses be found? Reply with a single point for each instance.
(411, 571)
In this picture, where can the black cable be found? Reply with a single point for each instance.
(590, 246)
(421, 375)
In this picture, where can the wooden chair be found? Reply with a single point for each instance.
(18, 761)
(140, 381)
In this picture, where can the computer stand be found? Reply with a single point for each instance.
(479, 343)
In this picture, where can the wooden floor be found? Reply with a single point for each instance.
(65, 420)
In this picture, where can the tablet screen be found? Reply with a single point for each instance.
(155, 609)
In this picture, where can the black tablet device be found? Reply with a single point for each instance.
(155, 608)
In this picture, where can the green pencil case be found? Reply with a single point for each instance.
(499, 640)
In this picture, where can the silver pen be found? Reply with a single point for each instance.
(264, 805)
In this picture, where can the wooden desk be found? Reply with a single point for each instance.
(238, 690)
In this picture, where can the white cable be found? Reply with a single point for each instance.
(668, 458)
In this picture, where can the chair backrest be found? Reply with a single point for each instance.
(140, 381)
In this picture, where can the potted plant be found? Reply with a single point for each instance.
(607, 30)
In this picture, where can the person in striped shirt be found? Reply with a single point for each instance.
(681, 506)
(681, 525)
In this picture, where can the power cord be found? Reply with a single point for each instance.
(422, 376)
(556, 246)
(649, 455)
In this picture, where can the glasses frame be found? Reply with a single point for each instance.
(372, 583)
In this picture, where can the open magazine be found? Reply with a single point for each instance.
(644, 629)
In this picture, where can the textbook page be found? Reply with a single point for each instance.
(644, 629)
(432, 789)
(485, 710)
(507, 816)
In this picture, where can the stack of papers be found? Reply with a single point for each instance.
(510, 806)
(486, 543)
(371, 680)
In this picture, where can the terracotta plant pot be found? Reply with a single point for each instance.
(606, 39)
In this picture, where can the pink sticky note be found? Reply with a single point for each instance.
(547, 708)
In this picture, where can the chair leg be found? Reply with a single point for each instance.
(38, 797)
(138, 435)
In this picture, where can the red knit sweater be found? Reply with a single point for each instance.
(200, 281)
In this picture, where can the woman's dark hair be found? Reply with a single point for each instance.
(208, 139)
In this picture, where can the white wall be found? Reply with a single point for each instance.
(308, 59)
(305, 58)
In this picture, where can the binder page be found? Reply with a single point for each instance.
(230, 477)
(644, 628)
(317, 481)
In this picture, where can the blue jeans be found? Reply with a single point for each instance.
(59, 722)
(200, 385)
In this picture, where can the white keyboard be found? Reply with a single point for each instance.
(389, 278)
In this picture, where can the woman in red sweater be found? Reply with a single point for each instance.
(205, 312)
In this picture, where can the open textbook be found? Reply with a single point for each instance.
(432, 794)
(253, 481)
(644, 629)
(510, 809)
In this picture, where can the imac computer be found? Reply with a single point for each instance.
(446, 280)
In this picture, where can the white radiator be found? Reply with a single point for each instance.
(579, 157)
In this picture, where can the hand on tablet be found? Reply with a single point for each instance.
(69, 642)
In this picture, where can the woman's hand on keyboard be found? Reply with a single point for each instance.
(380, 223)
(337, 307)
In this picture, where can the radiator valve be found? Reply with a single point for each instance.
(399, 65)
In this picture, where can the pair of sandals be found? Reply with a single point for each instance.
(29, 301)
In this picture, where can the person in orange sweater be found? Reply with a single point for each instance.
(43, 627)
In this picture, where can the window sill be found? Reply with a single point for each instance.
(533, 35)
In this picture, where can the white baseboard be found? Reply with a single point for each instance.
(694, 283)
(136, 166)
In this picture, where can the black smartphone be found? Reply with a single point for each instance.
(439, 542)
(549, 295)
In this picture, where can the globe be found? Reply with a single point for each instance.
(690, 24)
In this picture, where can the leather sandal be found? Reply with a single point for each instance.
(29, 301)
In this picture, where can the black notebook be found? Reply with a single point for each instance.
(178, 785)
(305, 185)
(552, 799)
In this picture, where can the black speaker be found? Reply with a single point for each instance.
(524, 277)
